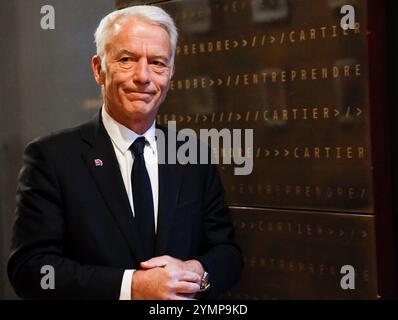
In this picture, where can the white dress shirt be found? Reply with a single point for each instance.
(122, 138)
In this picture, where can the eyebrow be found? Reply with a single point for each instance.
(124, 51)
(132, 54)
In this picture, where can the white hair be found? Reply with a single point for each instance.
(151, 14)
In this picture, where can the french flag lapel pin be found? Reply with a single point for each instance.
(98, 163)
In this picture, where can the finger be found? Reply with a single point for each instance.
(187, 295)
(155, 262)
(186, 287)
(190, 276)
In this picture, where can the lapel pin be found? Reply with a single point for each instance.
(98, 163)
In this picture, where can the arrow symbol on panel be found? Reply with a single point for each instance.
(235, 44)
(286, 153)
(336, 112)
(238, 116)
(189, 118)
(272, 39)
(276, 153)
(244, 43)
(266, 153)
(180, 118)
(204, 118)
(219, 82)
(211, 82)
(359, 112)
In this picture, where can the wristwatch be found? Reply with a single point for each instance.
(205, 282)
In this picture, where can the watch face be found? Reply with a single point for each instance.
(205, 283)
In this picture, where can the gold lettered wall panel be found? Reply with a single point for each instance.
(290, 254)
(287, 70)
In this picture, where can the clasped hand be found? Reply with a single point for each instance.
(167, 278)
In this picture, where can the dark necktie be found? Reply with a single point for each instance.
(142, 199)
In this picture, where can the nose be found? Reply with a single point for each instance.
(141, 72)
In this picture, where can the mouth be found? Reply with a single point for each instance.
(140, 95)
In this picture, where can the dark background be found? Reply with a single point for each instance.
(45, 83)
(392, 58)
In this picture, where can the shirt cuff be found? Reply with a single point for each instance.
(125, 290)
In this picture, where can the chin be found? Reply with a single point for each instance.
(140, 107)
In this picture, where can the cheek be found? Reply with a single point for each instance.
(163, 83)
(117, 79)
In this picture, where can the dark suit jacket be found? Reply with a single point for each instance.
(76, 217)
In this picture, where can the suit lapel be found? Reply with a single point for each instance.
(170, 177)
(102, 162)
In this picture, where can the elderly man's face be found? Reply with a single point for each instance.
(138, 72)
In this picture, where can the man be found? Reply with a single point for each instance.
(94, 202)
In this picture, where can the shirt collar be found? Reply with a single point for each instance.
(123, 137)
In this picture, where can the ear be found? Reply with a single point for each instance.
(99, 74)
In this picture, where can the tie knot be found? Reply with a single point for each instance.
(137, 146)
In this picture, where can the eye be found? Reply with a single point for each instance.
(125, 59)
(158, 63)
